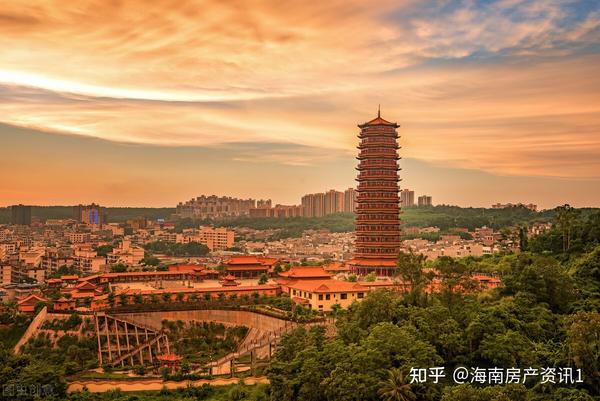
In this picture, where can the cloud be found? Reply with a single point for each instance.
(505, 87)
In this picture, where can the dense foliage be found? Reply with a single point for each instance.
(203, 341)
(545, 315)
(114, 214)
(174, 249)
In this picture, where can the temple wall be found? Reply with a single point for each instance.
(228, 317)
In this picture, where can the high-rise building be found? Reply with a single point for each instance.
(90, 214)
(313, 205)
(213, 206)
(350, 200)
(20, 215)
(333, 201)
(263, 203)
(424, 200)
(407, 197)
(377, 242)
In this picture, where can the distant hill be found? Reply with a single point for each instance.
(442, 216)
(115, 214)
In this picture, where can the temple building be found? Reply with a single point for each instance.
(377, 204)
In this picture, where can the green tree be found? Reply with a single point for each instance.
(118, 268)
(410, 270)
(137, 298)
(583, 345)
(565, 219)
(396, 388)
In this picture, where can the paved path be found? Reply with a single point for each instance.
(100, 386)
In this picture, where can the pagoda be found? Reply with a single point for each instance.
(377, 242)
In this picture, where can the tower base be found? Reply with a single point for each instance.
(381, 267)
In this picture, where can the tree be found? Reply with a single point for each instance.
(104, 250)
(123, 299)
(137, 298)
(396, 388)
(179, 296)
(583, 344)
(166, 296)
(111, 298)
(455, 279)
(118, 268)
(410, 270)
(263, 279)
(150, 260)
(565, 218)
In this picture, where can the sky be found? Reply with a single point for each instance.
(136, 103)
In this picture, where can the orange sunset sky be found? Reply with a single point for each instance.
(147, 103)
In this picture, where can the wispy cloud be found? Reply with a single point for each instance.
(508, 87)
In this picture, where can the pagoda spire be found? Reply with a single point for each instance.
(379, 110)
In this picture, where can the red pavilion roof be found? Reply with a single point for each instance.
(378, 121)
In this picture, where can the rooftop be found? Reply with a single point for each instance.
(378, 121)
(324, 286)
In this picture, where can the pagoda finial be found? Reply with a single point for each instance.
(379, 111)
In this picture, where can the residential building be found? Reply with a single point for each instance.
(333, 202)
(350, 200)
(126, 253)
(407, 197)
(90, 214)
(424, 200)
(87, 260)
(216, 239)
(322, 294)
(20, 215)
(204, 207)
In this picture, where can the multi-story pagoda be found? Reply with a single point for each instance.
(377, 205)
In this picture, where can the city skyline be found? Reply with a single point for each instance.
(497, 102)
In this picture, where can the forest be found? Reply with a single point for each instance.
(545, 315)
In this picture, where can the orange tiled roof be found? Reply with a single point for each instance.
(378, 121)
(251, 260)
(132, 274)
(325, 286)
(169, 358)
(246, 267)
(306, 272)
(30, 297)
(88, 278)
(85, 285)
(204, 289)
